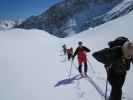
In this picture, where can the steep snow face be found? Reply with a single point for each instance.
(8, 24)
(32, 68)
(121, 9)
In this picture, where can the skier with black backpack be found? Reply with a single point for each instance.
(117, 61)
(64, 49)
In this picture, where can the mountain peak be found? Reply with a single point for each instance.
(7, 24)
(74, 16)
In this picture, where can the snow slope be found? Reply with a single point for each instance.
(32, 68)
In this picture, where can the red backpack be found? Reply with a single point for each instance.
(70, 51)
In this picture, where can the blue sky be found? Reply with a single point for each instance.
(22, 9)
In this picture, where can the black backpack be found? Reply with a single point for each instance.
(106, 55)
(118, 42)
(112, 55)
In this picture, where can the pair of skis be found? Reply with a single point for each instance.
(100, 90)
(93, 83)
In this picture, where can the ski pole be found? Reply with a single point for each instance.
(106, 89)
(91, 66)
(108, 74)
(74, 65)
(70, 71)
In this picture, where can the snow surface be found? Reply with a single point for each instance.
(32, 68)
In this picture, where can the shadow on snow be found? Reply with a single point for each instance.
(67, 81)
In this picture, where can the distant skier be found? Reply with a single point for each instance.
(117, 61)
(82, 57)
(69, 53)
(64, 49)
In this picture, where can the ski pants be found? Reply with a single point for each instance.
(85, 67)
(116, 81)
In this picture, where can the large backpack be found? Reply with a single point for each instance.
(118, 42)
(112, 55)
(107, 55)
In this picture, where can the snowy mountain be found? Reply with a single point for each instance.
(73, 16)
(32, 68)
(8, 24)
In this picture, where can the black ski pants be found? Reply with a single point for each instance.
(116, 81)
(85, 68)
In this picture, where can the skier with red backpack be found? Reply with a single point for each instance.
(69, 53)
(82, 57)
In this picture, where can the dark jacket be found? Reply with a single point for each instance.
(81, 49)
(115, 58)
